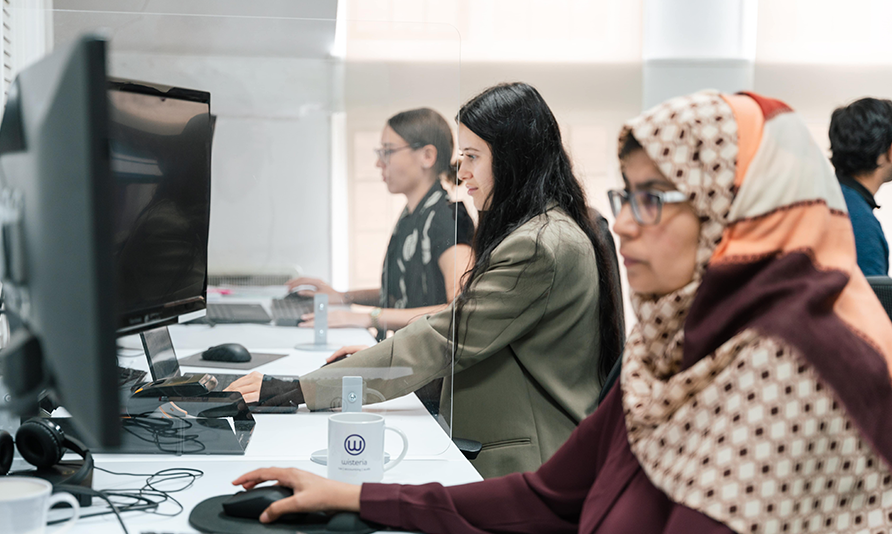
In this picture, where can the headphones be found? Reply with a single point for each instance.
(42, 444)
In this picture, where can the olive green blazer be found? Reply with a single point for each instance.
(526, 368)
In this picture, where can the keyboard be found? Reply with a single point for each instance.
(288, 311)
(231, 313)
(130, 378)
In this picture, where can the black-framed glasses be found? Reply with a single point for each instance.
(647, 206)
(385, 153)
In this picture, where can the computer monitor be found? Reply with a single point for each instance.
(56, 199)
(160, 140)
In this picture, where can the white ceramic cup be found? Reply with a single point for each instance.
(356, 447)
(25, 503)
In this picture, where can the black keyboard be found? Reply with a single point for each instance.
(231, 313)
(288, 311)
(128, 378)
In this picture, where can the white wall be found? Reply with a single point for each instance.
(270, 167)
(268, 70)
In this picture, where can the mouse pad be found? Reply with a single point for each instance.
(208, 516)
(257, 359)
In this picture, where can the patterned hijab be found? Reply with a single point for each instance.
(760, 393)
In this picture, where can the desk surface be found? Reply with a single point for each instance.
(278, 440)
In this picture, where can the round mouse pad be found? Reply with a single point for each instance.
(208, 516)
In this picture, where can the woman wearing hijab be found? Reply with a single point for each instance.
(755, 389)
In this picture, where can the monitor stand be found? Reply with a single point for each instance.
(320, 327)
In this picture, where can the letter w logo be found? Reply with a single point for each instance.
(354, 444)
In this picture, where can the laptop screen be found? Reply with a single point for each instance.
(159, 351)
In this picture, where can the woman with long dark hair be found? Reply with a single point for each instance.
(536, 326)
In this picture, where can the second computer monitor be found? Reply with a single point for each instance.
(160, 141)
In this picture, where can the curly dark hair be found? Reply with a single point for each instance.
(859, 133)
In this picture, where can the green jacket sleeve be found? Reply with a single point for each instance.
(504, 304)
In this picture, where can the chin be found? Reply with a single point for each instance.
(640, 285)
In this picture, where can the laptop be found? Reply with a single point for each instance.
(163, 361)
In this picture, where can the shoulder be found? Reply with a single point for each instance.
(553, 234)
(855, 203)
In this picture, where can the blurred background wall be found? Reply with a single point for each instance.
(302, 89)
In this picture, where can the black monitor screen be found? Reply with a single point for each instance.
(160, 161)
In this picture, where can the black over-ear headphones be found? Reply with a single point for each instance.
(42, 444)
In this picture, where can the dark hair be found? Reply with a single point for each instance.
(630, 144)
(859, 133)
(422, 127)
(531, 171)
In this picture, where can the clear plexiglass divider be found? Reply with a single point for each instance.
(321, 185)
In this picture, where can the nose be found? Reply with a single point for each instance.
(380, 164)
(625, 225)
(463, 172)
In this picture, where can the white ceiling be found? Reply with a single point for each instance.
(264, 28)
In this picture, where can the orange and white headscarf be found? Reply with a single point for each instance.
(760, 393)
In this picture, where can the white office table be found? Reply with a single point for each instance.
(283, 440)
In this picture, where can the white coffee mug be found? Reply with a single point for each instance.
(356, 447)
(25, 503)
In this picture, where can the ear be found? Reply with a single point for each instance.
(428, 155)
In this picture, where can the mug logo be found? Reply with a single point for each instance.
(354, 444)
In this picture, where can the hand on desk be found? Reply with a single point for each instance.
(334, 297)
(311, 493)
(343, 352)
(340, 319)
(248, 385)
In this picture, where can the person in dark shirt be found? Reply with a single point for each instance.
(861, 144)
(430, 248)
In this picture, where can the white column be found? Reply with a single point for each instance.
(691, 45)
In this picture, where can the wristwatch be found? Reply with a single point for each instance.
(374, 315)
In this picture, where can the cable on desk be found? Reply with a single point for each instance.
(80, 490)
(146, 499)
(163, 432)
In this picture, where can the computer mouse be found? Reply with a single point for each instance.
(295, 293)
(227, 352)
(250, 504)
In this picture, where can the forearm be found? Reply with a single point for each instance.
(504, 505)
(395, 367)
(394, 318)
(365, 297)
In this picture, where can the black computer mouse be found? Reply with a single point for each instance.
(250, 504)
(227, 352)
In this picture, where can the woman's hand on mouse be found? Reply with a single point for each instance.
(343, 352)
(312, 493)
(248, 385)
(334, 297)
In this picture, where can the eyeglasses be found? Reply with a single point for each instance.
(647, 206)
(385, 153)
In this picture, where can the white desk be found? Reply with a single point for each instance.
(278, 440)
